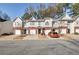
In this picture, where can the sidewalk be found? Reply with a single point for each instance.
(9, 37)
(28, 37)
(71, 36)
(38, 37)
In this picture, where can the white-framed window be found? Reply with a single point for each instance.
(17, 24)
(47, 23)
(31, 23)
(77, 22)
(39, 23)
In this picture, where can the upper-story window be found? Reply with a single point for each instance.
(39, 23)
(61, 22)
(16, 23)
(47, 23)
(31, 23)
(77, 22)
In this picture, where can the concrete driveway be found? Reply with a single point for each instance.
(39, 47)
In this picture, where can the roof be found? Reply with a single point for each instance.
(2, 20)
(48, 18)
(75, 17)
(65, 17)
(39, 20)
(17, 18)
(33, 19)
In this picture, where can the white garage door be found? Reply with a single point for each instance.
(32, 31)
(63, 31)
(77, 30)
(18, 32)
(57, 30)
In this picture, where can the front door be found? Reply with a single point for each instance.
(68, 31)
(24, 31)
(39, 31)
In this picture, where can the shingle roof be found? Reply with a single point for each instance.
(16, 18)
(65, 17)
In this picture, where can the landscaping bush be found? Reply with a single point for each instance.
(76, 33)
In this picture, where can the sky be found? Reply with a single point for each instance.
(15, 9)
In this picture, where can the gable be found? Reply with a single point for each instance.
(17, 20)
(77, 19)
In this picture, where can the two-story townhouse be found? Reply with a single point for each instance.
(76, 24)
(63, 25)
(36, 26)
(66, 24)
(17, 26)
(32, 26)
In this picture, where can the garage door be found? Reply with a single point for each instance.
(32, 31)
(18, 32)
(57, 30)
(77, 30)
(47, 31)
(63, 31)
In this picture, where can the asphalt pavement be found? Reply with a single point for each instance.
(40, 47)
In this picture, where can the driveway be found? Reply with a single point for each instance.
(40, 47)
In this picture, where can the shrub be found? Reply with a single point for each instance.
(76, 33)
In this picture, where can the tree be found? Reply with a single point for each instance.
(50, 10)
(29, 12)
(4, 16)
(75, 8)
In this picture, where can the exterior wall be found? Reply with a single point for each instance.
(63, 23)
(35, 24)
(42, 24)
(71, 28)
(50, 23)
(17, 23)
(57, 30)
(76, 22)
(56, 25)
(6, 27)
(76, 25)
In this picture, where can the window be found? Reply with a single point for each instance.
(47, 23)
(31, 23)
(18, 23)
(61, 22)
(39, 23)
(24, 23)
(15, 24)
(77, 22)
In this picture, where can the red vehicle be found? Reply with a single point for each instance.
(54, 35)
